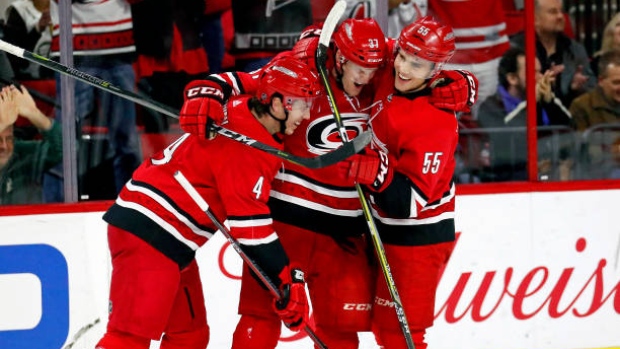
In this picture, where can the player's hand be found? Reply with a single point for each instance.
(293, 306)
(203, 105)
(455, 90)
(370, 168)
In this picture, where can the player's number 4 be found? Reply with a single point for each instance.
(431, 162)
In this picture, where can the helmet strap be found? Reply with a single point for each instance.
(281, 121)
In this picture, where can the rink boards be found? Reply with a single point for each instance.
(530, 270)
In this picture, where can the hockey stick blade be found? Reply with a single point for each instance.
(204, 206)
(316, 162)
(321, 65)
(331, 21)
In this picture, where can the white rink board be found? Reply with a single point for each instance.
(522, 244)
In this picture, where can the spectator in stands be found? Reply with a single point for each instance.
(599, 108)
(22, 162)
(212, 33)
(28, 25)
(506, 109)
(263, 28)
(103, 46)
(6, 72)
(558, 52)
(481, 39)
(170, 54)
(611, 41)
(601, 104)
(614, 172)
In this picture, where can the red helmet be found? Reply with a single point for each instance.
(429, 40)
(289, 77)
(362, 42)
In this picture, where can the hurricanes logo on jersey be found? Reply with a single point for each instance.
(322, 134)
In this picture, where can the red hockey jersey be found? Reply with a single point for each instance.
(479, 28)
(315, 199)
(234, 180)
(320, 199)
(420, 141)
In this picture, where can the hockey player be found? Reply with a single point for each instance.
(155, 227)
(318, 214)
(409, 173)
(316, 211)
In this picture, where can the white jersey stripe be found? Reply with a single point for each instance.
(480, 44)
(155, 218)
(341, 194)
(255, 242)
(480, 31)
(444, 200)
(314, 206)
(160, 200)
(413, 221)
(234, 223)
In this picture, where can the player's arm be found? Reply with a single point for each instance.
(204, 100)
(453, 90)
(245, 194)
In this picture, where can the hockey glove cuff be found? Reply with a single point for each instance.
(292, 308)
(371, 169)
(203, 105)
(455, 90)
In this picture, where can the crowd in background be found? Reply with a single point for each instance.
(158, 46)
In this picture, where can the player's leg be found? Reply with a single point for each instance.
(342, 291)
(416, 271)
(187, 327)
(143, 288)
(259, 326)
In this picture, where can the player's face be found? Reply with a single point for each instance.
(298, 111)
(410, 72)
(355, 77)
(6, 146)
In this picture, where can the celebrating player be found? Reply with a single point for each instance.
(155, 227)
(409, 173)
(317, 214)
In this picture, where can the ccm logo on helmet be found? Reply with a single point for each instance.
(204, 91)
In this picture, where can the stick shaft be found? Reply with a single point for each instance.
(321, 59)
(86, 78)
(204, 206)
(315, 162)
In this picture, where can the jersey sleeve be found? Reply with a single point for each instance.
(244, 187)
(239, 83)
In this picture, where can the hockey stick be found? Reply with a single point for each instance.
(80, 333)
(315, 162)
(321, 58)
(204, 206)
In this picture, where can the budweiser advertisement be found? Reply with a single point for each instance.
(530, 270)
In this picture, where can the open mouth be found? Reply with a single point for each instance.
(400, 76)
